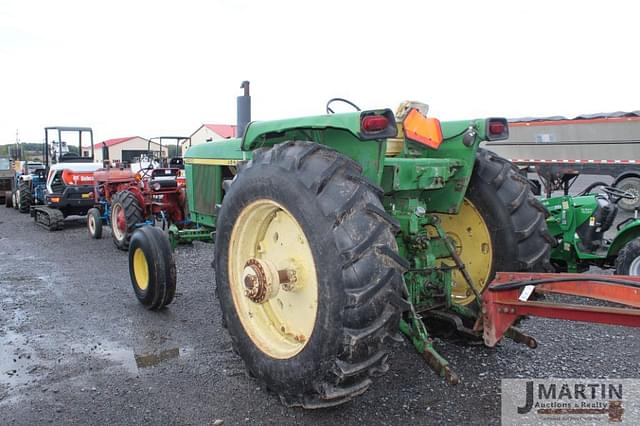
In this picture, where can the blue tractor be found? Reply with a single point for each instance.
(30, 185)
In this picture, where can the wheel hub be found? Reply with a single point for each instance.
(472, 241)
(273, 278)
(122, 223)
(262, 280)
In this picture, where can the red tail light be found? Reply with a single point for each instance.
(497, 129)
(374, 123)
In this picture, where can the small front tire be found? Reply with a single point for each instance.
(152, 268)
(94, 223)
(126, 213)
(628, 260)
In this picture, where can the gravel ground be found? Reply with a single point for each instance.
(77, 348)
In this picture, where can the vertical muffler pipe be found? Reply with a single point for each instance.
(244, 110)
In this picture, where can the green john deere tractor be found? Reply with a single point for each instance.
(334, 232)
(580, 223)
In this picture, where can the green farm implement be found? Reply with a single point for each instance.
(579, 224)
(335, 232)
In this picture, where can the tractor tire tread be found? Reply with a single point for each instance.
(133, 216)
(26, 197)
(626, 255)
(371, 312)
(533, 241)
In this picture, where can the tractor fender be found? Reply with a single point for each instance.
(628, 233)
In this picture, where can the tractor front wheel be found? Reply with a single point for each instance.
(152, 268)
(628, 260)
(307, 274)
(8, 199)
(126, 213)
(94, 223)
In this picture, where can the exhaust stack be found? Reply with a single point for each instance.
(244, 110)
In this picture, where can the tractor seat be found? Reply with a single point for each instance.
(164, 183)
(591, 233)
(609, 213)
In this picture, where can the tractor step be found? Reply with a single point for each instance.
(48, 218)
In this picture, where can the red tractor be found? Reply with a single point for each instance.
(126, 200)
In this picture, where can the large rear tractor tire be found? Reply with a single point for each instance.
(500, 227)
(94, 223)
(307, 274)
(628, 260)
(152, 268)
(25, 197)
(126, 213)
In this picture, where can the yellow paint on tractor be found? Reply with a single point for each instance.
(283, 323)
(472, 241)
(211, 161)
(140, 269)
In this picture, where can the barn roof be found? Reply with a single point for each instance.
(116, 141)
(225, 130)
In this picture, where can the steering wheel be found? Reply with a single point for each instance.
(330, 111)
(145, 172)
(618, 193)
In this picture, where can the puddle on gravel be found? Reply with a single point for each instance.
(132, 361)
(151, 359)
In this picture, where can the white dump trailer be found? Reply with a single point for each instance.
(558, 148)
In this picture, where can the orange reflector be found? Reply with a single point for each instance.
(55, 199)
(425, 131)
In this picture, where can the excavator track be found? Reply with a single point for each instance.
(48, 218)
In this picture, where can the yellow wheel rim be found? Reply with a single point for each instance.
(140, 269)
(472, 240)
(266, 233)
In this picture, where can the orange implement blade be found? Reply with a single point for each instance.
(426, 131)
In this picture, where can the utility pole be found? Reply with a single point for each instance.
(18, 154)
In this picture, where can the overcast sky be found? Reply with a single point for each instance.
(153, 67)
